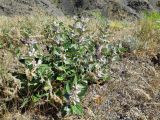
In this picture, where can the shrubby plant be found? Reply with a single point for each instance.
(58, 73)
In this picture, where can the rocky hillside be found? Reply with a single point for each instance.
(110, 8)
(26, 7)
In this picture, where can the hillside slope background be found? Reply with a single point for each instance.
(109, 8)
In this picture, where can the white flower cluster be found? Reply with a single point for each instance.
(83, 19)
(32, 52)
(80, 24)
(74, 98)
(36, 64)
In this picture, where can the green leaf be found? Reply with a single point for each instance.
(68, 88)
(35, 99)
(115, 58)
(67, 62)
(60, 78)
(61, 68)
(122, 50)
(25, 102)
(47, 87)
(44, 71)
(1, 46)
(106, 77)
(75, 80)
(77, 109)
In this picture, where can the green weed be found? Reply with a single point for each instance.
(62, 71)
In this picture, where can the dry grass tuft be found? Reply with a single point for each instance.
(115, 25)
(148, 33)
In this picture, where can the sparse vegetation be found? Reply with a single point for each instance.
(79, 67)
(148, 32)
(58, 72)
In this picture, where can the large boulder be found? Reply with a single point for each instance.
(120, 9)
